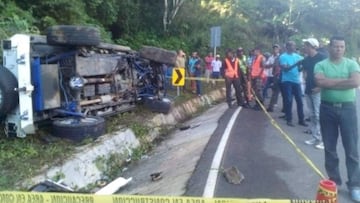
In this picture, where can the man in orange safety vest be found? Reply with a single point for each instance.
(231, 73)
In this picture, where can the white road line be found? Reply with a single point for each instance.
(214, 169)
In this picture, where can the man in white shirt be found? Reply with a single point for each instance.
(216, 66)
(270, 60)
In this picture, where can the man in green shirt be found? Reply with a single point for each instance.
(243, 75)
(338, 77)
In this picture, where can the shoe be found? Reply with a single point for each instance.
(355, 194)
(303, 123)
(308, 131)
(307, 119)
(246, 106)
(319, 145)
(289, 123)
(257, 108)
(241, 104)
(283, 116)
(311, 141)
(269, 109)
(338, 182)
(230, 105)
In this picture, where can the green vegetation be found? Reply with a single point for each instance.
(21, 159)
(141, 22)
(111, 166)
(186, 23)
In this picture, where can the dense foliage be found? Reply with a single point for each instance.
(244, 23)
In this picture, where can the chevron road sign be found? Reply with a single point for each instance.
(178, 77)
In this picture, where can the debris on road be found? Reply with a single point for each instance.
(156, 176)
(233, 175)
(185, 127)
(114, 186)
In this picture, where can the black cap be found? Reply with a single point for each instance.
(276, 45)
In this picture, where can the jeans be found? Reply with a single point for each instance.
(198, 83)
(192, 82)
(236, 83)
(244, 86)
(256, 84)
(313, 102)
(293, 89)
(275, 92)
(269, 81)
(344, 120)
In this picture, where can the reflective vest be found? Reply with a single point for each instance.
(256, 69)
(230, 71)
(242, 64)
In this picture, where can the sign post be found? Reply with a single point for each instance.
(178, 78)
(215, 38)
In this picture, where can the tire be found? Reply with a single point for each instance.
(73, 35)
(78, 129)
(8, 83)
(158, 106)
(158, 55)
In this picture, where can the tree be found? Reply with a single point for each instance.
(170, 11)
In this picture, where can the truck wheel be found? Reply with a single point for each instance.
(158, 55)
(77, 129)
(73, 35)
(8, 96)
(157, 105)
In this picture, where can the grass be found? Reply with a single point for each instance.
(186, 94)
(21, 159)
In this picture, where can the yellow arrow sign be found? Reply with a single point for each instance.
(178, 77)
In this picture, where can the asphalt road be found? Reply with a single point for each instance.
(271, 166)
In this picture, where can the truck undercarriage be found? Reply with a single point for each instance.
(72, 78)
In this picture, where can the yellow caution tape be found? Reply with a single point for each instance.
(206, 79)
(287, 137)
(201, 78)
(38, 197)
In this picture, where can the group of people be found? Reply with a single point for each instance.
(330, 84)
(330, 91)
(195, 68)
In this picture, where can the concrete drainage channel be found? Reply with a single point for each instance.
(82, 169)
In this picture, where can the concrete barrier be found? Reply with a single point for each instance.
(81, 168)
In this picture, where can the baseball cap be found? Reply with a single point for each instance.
(217, 55)
(276, 45)
(312, 41)
(240, 49)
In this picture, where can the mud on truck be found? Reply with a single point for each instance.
(73, 79)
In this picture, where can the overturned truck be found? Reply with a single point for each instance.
(71, 78)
